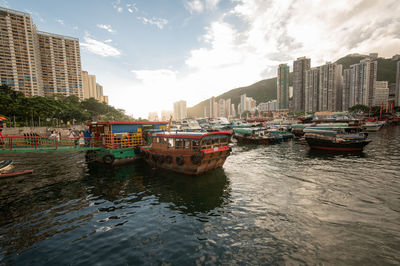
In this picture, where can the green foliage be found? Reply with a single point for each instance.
(54, 111)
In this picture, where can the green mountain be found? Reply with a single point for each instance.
(265, 90)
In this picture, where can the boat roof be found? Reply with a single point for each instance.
(188, 135)
(125, 123)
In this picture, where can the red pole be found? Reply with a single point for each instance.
(35, 139)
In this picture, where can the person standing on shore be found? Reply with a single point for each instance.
(1, 137)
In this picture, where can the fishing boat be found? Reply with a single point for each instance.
(16, 173)
(336, 138)
(119, 142)
(190, 153)
(256, 136)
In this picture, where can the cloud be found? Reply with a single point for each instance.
(198, 6)
(60, 21)
(106, 27)
(108, 41)
(132, 8)
(99, 48)
(159, 22)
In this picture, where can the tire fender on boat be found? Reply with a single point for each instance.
(108, 159)
(179, 160)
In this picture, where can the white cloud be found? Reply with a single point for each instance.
(106, 27)
(159, 22)
(198, 6)
(132, 8)
(119, 9)
(60, 21)
(99, 48)
(108, 41)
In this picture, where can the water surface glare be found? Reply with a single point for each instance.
(277, 204)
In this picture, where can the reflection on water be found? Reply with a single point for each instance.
(273, 204)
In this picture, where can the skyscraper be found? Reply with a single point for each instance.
(398, 84)
(19, 53)
(346, 90)
(180, 110)
(242, 103)
(300, 66)
(61, 65)
(311, 90)
(362, 84)
(283, 86)
(330, 87)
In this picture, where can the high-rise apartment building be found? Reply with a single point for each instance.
(180, 111)
(311, 90)
(37, 63)
(19, 53)
(362, 84)
(89, 85)
(221, 108)
(300, 66)
(61, 65)
(397, 93)
(346, 90)
(330, 87)
(283, 86)
(381, 93)
(242, 103)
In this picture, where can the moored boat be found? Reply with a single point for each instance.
(336, 139)
(190, 153)
(119, 142)
(256, 136)
(373, 126)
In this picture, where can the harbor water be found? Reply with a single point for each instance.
(274, 204)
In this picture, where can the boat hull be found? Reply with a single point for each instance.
(191, 163)
(324, 144)
(114, 157)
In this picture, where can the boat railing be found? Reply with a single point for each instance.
(30, 143)
(126, 140)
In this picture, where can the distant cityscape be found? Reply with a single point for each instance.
(323, 88)
(39, 63)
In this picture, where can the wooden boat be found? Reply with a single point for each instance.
(5, 163)
(256, 136)
(119, 142)
(337, 139)
(190, 153)
(16, 173)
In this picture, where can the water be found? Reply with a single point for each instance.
(278, 204)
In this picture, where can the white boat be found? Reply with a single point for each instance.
(373, 126)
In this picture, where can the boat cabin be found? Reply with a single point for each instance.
(115, 135)
(190, 141)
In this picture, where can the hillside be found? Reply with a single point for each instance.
(265, 90)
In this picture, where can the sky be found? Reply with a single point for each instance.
(148, 54)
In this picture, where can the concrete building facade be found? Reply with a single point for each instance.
(397, 93)
(330, 87)
(311, 90)
(381, 93)
(19, 53)
(283, 86)
(61, 65)
(180, 111)
(362, 84)
(37, 63)
(346, 90)
(300, 66)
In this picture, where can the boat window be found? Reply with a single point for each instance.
(196, 144)
(179, 143)
(187, 144)
(215, 142)
(170, 143)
